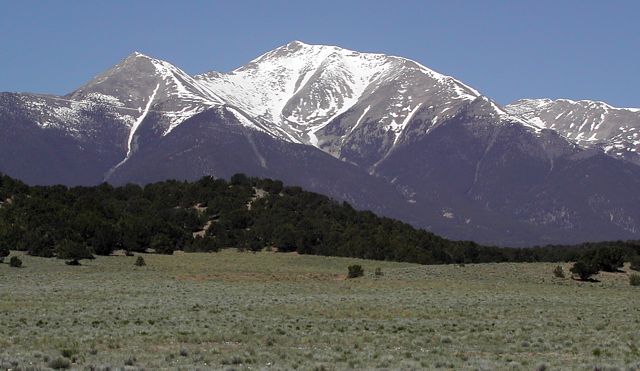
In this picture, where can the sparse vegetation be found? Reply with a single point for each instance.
(558, 271)
(286, 311)
(378, 272)
(140, 262)
(68, 352)
(15, 262)
(59, 363)
(634, 279)
(355, 271)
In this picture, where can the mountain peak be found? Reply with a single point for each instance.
(137, 54)
(141, 58)
(296, 43)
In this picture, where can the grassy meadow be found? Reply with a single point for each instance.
(242, 310)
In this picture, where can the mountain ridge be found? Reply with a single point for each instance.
(591, 124)
(384, 133)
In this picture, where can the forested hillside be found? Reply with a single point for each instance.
(213, 214)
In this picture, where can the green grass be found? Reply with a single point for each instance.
(283, 311)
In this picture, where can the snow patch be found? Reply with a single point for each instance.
(134, 128)
(360, 119)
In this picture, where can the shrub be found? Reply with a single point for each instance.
(59, 363)
(15, 262)
(71, 250)
(130, 361)
(558, 271)
(635, 262)
(68, 352)
(240, 179)
(140, 262)
(105, 239)
(203, 244)
(378, 272)
(162, 244)
(584, 269)
(355, 271)
(38, 242)
(4, 252)
(634, 279)
(608, 259)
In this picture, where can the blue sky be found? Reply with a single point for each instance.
(506, 49)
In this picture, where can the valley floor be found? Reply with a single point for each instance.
(285, 311)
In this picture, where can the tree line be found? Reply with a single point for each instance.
(244, 212)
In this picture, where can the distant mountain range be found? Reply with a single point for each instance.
(380, 132)
(590, 124)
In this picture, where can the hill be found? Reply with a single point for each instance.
(213, 214)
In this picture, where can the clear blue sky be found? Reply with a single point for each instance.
(579, 49)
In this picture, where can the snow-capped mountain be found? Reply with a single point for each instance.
(143, 83)
(589, 123)
(332, 98)
(384, 133)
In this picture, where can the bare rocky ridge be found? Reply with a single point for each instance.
(380, 132)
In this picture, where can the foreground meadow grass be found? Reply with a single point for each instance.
(284, 311)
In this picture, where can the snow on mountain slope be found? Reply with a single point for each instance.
(297, 93)
(335, 99)
(157, 96)
(588, 123)
(73, 116)
(132, 82)
(123, 92)
(297, 90)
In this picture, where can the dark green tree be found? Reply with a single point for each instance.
(106, 239)
(4, 252)
(240, 180)
(584, 269)
(72, 251)
(285, 238)
(608, 259)
(163, 244)
(140, 262)
(15, 262)
(38, 242)
(355, 271)
(203, 244)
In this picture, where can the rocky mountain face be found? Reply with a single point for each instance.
(588, 123)
(380, 132)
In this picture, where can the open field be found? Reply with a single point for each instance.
(283, 311)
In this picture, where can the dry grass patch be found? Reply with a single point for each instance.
(274, 310)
